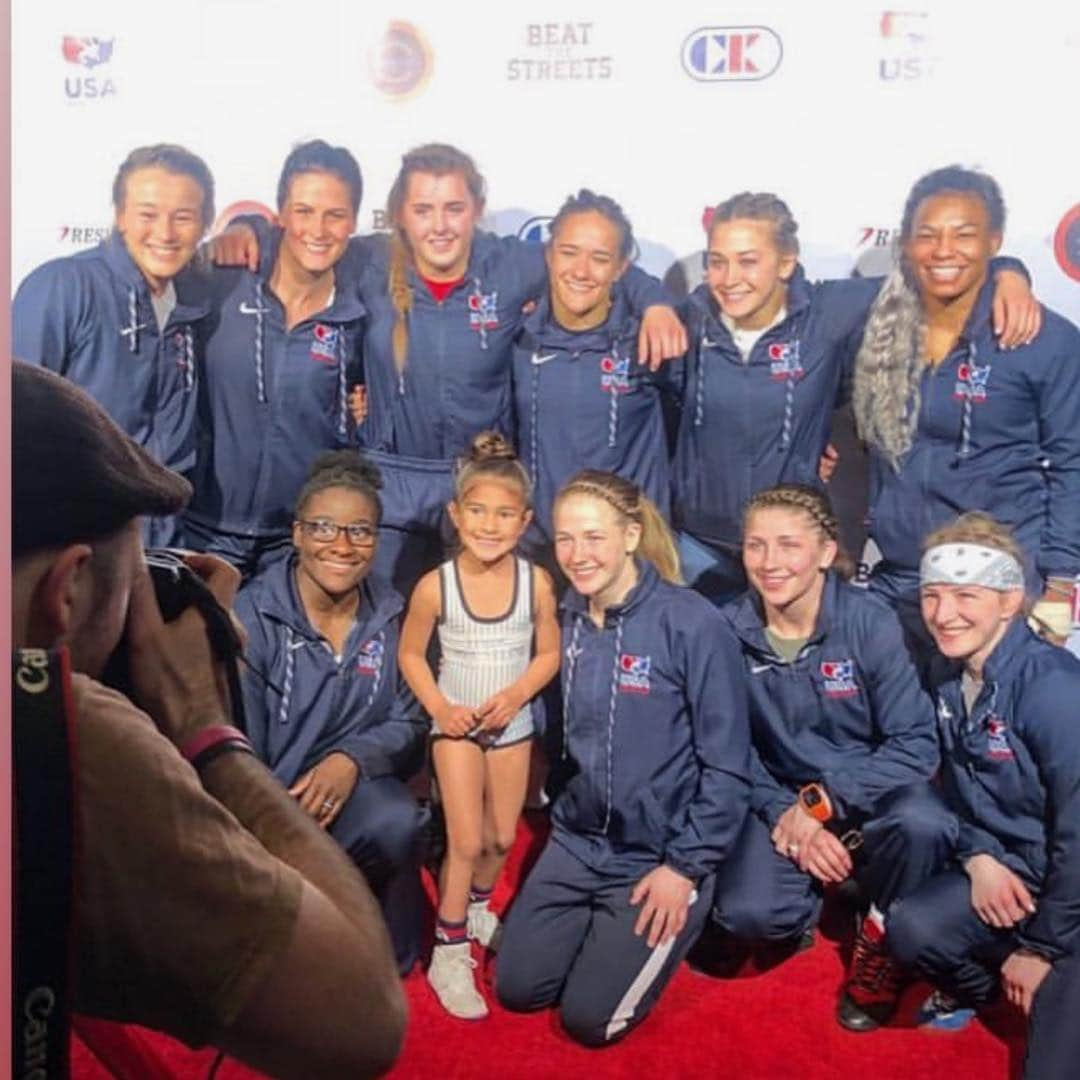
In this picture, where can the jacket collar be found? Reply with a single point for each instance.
(747, 615)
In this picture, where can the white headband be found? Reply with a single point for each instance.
(970, 564)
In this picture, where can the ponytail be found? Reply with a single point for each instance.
(657, 545)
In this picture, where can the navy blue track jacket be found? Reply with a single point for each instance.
(747, 425)
(319, 704)
(999, 432)
(89, 318)
(1012, 773)
(848, 713)
(656, 733)
(581, 400)
(455, 381)
(271, 399)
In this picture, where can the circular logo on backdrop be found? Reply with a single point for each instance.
(400, 60)
(537, 230)
(234, 210)
(1067, 243)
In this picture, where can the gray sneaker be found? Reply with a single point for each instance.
(451, 977)
(484, 926)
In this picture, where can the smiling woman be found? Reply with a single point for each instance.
(323, 703)
(298, 320)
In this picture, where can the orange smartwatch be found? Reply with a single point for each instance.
(814, 799)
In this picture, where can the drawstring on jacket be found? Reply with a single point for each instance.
(481, 324)
(613, 405)
(534, 415)
(290, 670)
(789, 411)
(187, 362)
(131, 331)
(259, 311)
(613, 699)
(343, 392)
(699, 388)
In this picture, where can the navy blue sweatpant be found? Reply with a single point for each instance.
(936, 930)
(763, 895)
(569, 939)
(381, 827)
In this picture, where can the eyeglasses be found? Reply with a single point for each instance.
(323, 530)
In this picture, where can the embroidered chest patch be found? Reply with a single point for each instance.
(370, 660)
(784, 362)
(615, 375)
(997, 742)
(971, 382)
(634, 673)
(324, 343)
(839, 678)
(483, 310)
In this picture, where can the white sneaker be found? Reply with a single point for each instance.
(483, 925)
(451, 977)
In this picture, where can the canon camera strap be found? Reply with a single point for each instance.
(43, 856)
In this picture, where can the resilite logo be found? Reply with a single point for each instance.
(732, 53)
(400, 61)
(88, 53)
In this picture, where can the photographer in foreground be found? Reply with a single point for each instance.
(207, 904)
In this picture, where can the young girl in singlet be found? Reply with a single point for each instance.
(499, 640)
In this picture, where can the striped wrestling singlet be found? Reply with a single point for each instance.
(481, 656)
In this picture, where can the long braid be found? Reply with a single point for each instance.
(401, 297)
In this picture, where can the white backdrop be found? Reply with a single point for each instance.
(837, 105)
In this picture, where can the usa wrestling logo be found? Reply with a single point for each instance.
(997, 742)
(371, 658)
(483, 310)
(784, 361)
(634, 673)
(839, 678)
(615, 375)
(971, 382)
(324, 343)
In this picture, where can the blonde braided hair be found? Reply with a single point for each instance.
(657, 544)
(814, 504)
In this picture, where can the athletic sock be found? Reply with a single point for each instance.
(478, 895)
(450, 933)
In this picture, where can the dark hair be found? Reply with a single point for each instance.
(812, 502)
(171, 158)
(318, 156)
(438, 159)
(955, 178)
(342, 469)
(490, 456)
(761, 206)
(630, 503)
(586, 200)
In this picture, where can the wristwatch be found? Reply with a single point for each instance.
(814, 799)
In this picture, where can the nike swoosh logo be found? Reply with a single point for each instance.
(247, 309)
(294, 645)
(757, 669)
(537, 359)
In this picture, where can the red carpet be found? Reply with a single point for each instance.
(778, 1024)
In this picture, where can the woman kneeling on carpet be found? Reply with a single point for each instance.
(843, 746)
(324, 705)
(1003, 905)
(655, 741)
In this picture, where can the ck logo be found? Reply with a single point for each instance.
(997, 743)
(483, 310)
